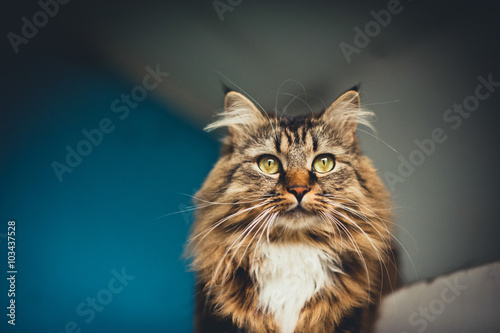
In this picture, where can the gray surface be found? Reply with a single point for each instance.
(425, 60)
(462, 302)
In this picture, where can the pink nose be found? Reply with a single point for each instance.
(298, 191)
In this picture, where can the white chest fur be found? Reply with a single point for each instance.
(288, 276)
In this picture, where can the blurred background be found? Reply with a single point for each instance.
(102, 145)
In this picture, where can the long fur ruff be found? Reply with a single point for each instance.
(264, 267)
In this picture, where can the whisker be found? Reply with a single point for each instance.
(391, 258)
(379, 139)
(246, 231)
(279, 92)
(375, 247)
(258, 197)
(255, 101)
(187, 209)
(256, 222)
(353, 242)
(207, 231)
(392, 236)
(293, 99)
(267, 227)
(382, 263)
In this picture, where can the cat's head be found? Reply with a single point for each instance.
(301, 173)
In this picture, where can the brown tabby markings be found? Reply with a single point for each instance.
(345, 214)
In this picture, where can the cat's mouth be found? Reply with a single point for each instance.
(297, 218)
(298, 212)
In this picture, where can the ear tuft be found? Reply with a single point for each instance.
(346, 113)
(225, 88)
(356, 88)
(240, 115)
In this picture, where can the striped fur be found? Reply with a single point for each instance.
(246, 220)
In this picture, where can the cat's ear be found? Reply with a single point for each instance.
(345, 114)
(240, 115)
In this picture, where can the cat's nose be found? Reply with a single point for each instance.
(299, 191)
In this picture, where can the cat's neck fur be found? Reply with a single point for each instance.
(288, 276)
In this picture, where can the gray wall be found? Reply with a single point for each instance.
(426, 59)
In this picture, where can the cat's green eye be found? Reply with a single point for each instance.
(323, 163)
(269, 164)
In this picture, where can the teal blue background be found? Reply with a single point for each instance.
(108, 213)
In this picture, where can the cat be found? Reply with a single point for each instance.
(293, 229)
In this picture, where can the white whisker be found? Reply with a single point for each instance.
(254, 100)
(207, 231)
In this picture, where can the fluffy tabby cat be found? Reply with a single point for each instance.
(293, 224)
